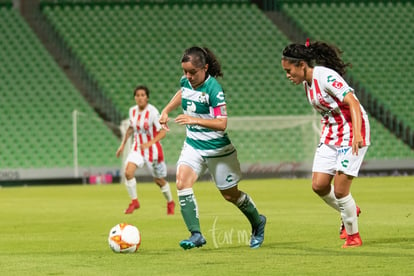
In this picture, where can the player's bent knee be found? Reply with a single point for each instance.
(129, 175)
(320, 189)
(181, 184)
(229, 198)
(339, 195)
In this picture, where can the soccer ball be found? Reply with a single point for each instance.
(124, 238)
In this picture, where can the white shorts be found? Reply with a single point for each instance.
(157, 169)
(330, 159)
(225, 170)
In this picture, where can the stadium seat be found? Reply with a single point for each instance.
(40, 101)
(125, 45)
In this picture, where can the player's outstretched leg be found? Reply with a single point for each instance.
(248, 208)
(189, 211)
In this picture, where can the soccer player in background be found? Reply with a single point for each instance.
(345, 128)
(146, 148)
(207, 145)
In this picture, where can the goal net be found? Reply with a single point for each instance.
(261, 139)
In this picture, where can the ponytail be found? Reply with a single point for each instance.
(214, 67)
(317, 53)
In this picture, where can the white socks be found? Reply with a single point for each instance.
(349, 214)
(166, 191)
(131, 186)
(347, 207)
(331, 200)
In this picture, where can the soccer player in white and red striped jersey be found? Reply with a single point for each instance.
(146, 148)
(345, 127)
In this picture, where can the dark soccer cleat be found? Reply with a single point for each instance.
(196, 240)
(257, 237)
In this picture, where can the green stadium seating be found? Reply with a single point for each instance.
(143, 46)
(377, 39)
(125, 45)
(37, 101)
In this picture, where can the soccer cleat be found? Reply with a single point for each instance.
(257, 237)
(170, 208)
(196, 240)
(132, 206)
(342, 231)
(353, 240)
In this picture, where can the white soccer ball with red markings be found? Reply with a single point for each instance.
(124, 238)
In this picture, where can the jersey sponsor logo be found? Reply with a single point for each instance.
(331, 79)
(337, 84)
(220, 96)
(343, 150)
(191, 107)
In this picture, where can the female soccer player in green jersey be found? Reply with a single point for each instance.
(207, 145)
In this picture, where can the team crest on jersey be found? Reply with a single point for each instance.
(146, 125)
(202, 98)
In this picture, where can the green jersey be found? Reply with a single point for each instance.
(200, 103)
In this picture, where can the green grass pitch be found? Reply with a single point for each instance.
(63, 230)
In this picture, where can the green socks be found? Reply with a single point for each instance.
(189, 209)
(248, 208)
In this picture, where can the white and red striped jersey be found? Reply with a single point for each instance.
(326, 95)
(146, 126)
